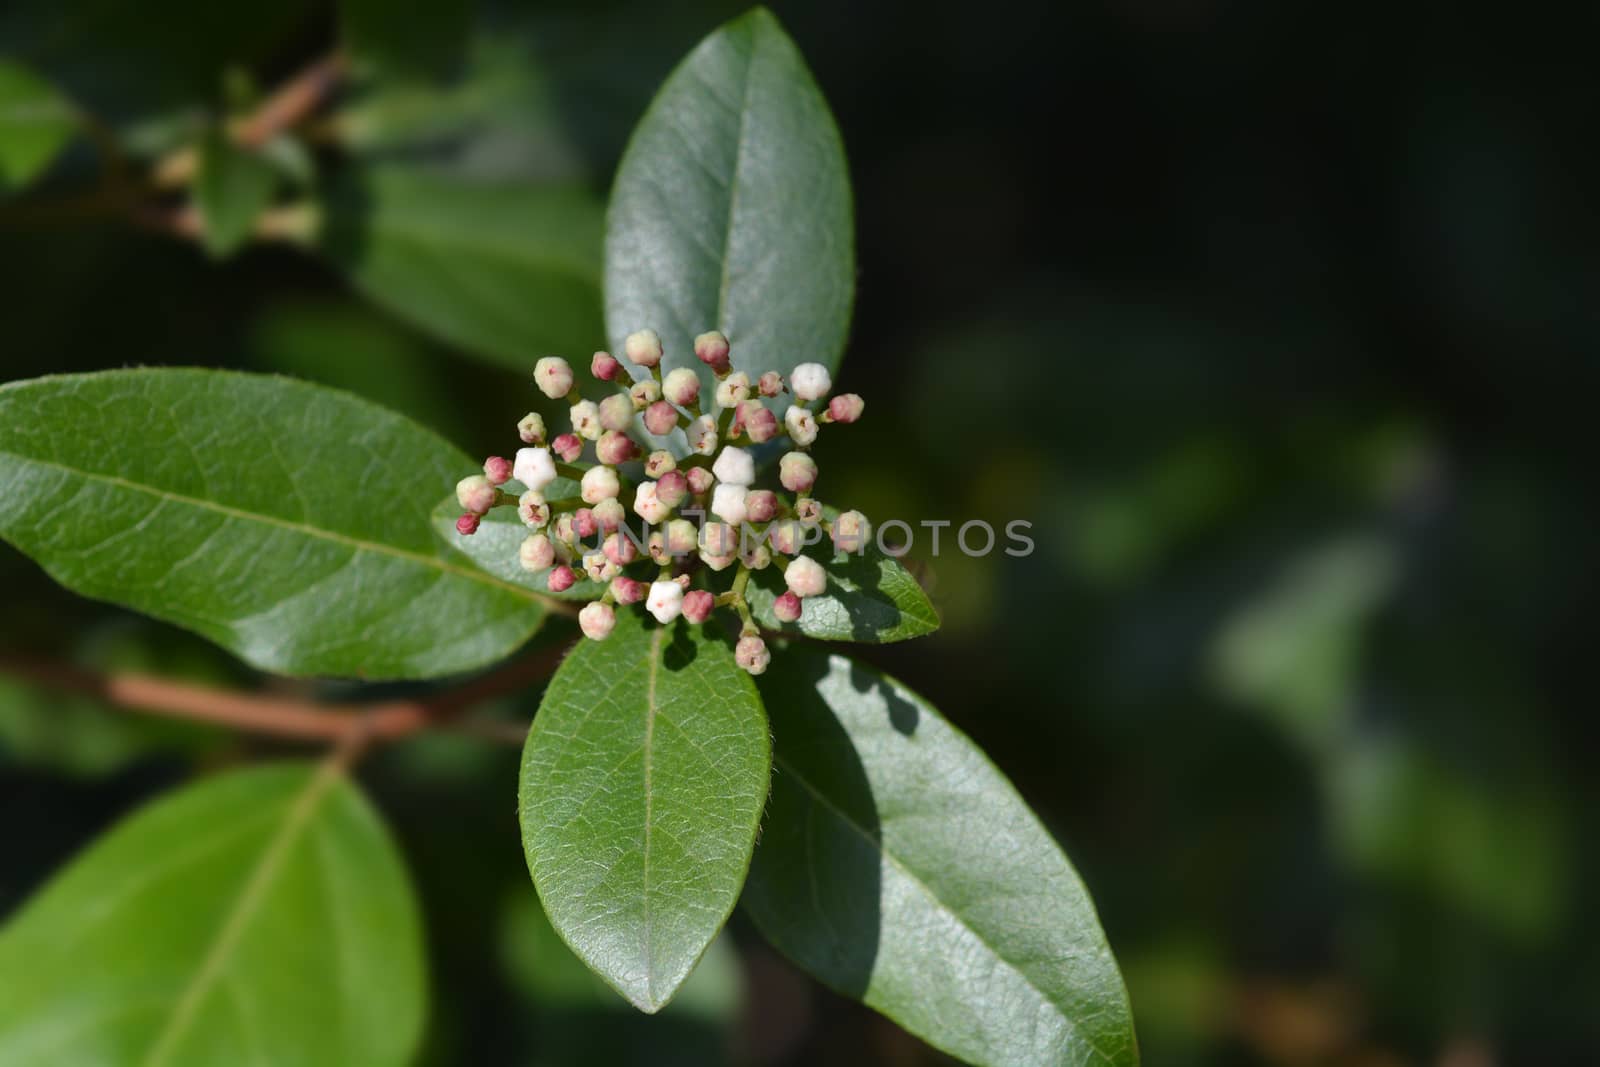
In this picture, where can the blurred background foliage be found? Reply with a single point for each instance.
(1277, 323)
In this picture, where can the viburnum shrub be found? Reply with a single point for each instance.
(709, 740)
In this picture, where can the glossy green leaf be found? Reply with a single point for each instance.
(900, 867)
(642, 785)
(287, 522)
(500, 534)
(409, 41)
(259, 917)
(507, 270)
(36, 122)
(732, 211)
(231, 190)
(870, 598)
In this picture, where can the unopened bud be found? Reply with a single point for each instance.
(770, 383)
(497, 469)
(644, 393)
(660, 418)
(553, 376)
(810, 381)
(568, 446)
(658, 463)
(616, 412)
(620, 549)
(475, 494)
(700, 481)
(727, 502)
(735, 466)
(673, 488)
(649, 506)
(586, 420)
(703, 435)
(584, 524)
(599, 568)
(467, 525)
(531, 428)
(614, 448)
(846, 407)
(628, 590)
(698, 605)
(665, 601)
(755, 556)
(788, 607)
(759, 421)
(801, 424)
(532, 509)
(599, 483)
(733, 390)
(680, 538)
(597, 620)
(610, 514)
(786, 537)
(643, 347)
(851, 531)
(711, 348)
(751, 654)
(561, 579)
(805, 577)
(563, 529)
(536, 552)
(760, 505)
(798, 472)
(681, 386)
(604, 366)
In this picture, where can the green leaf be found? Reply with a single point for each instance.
(507, 270)
(900, 867)
(642, 785)
(36, 122)
(732, 210)
(411, 41)
(231, 190)
(259, 917)
(870, 598)
(494, 547)
(287, 522)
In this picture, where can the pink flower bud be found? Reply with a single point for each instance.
(801, 424)
(660, 418)
(586, 420)
(604, 366)
(467, 525)
(751, 654)
(497, 469)
(568, 446)
(798, 472)
(760, 505)
(643, 347)
(673, 488)
(616, 412)
(805, 577)
(532, 509)
(846, 407)
(610, 514)
(703, 435)
(620, 549)
(788, 607)
(584, 524)
(700, 481)
(648, 506)
(475, 494)
(561, 579)
(851, 531)
(698, 605)
(808, 510)
(759, 421)
(810, 381)
(727, 502)
(786, 537)
(770, 383)
(664, 601)
(644, 393)
(531, 428)
(733, 390)
(536, 552)
(597, 620)
(658, 463)
(681, 387)
(614, 448)
(719, 539)
(553, 376)
(628, 590)
(735, 466)
(711, 348)
(599, 483)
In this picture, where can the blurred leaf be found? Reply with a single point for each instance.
(900, 867)
(405, 41)
(731, 209)
(36, 122)
(642, 786)
(232, 188)
(286, 522)
(509, 271)
(263, 916)
(501, 533)
(870, 598)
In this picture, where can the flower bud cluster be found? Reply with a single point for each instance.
(743, 527)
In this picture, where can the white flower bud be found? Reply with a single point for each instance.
(534, 468)
(665, 601)
(586, 420)
(703, 435)
(647, 506)
(680, 537)
(801, 424)
(553, 376)
(752, 654)
(599, 483)
(616, 413)
(727, 502)
(733, 390)
(805, 577)
(643, 347)
(798, 472)
(735, 466)
(644, 393)
(600, 568)
(475, 494)
(756, 556)
(659, 462)
(719, 539)
(610, 514)
(597, 620)
(532, 509)
(850, 531)
(531, 428)
(536, 552)
(810, 381)
(681, 387)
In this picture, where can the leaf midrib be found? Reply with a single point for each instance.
(357, 543)
(649, 805)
